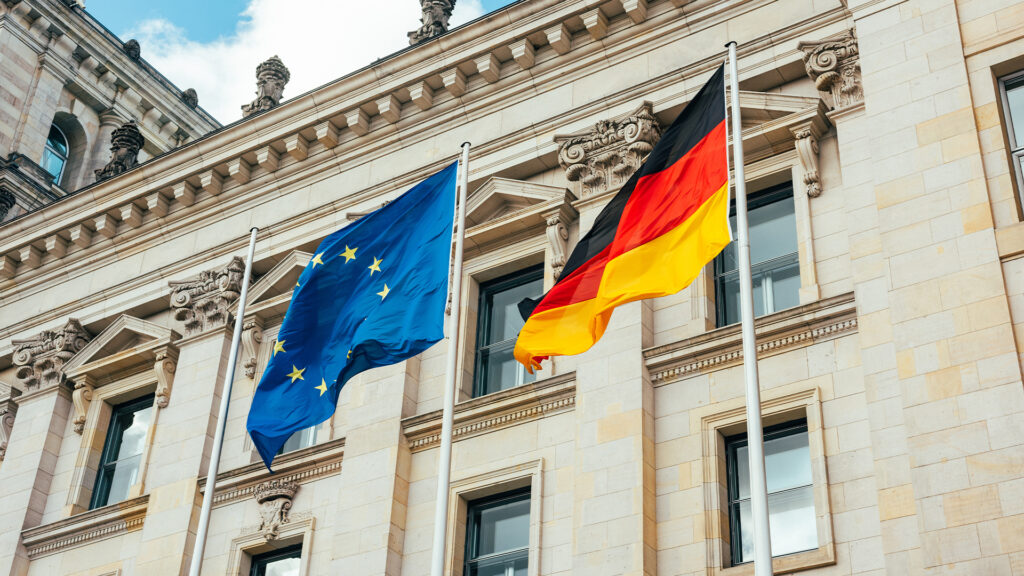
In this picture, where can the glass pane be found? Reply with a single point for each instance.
(729, 299)
(793, 525)
(758, 283)
(502, 527)
(301, 439)
(134, 426)
(787, 464)
(56, 141)
(126, 471)
(1015, 105)
(500, 370)
(52, 163)
(500, 566)
(282, 567)
(772, 230)
(505, 320)
(786, 286)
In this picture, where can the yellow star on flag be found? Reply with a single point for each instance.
(317, 260)
(349, 254)
(279, 347)
(296, 374)
(322, 387)
(384, 293)
(375, 267)
(349, 355)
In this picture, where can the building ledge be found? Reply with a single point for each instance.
(301, 466)
(87, 527)
(717, 349)
(494, 411)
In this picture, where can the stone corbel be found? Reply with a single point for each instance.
(165, 364)
(274, 498)
(81, 397)
(834, 65)
(558, 240)
(252, 336)
(8, 410)
(806, 139)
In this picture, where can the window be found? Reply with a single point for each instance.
(498, 325)
(498, 535)
(774, 263)
(791, 512)
(1012, 89)
(301, 439)
(284, 562)
(122, 452)
(55, 156)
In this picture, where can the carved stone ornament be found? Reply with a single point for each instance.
(275, 500)
(271, 77)
(807, 150)
(164, 365)
(8, 410)
(606, 156)
(252, 336)
(40, 360)
(133, 49)
(558, 239)
(434, 21)
(7, 201)
(81, 398)
(202, 302)
(125, 144)
(190, 97)
(834, 65)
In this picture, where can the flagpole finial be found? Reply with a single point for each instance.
(464, 144)
(730, 43)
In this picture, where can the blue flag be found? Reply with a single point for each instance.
(374, 294)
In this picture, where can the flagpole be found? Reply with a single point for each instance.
(444, 464)
(755, 435)
(218, 438)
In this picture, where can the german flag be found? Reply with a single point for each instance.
(652, 239)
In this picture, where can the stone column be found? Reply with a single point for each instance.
(35, 438)
(371, 528)
(100, 153)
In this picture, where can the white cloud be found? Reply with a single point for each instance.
(318, 40)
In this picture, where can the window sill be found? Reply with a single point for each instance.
(498, 410)
(824, 556)
(87, 527)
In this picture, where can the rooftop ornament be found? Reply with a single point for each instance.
(271, 77)
(434, 20)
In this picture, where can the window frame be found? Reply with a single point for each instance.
(472, 528)
(258, 564)
(1014, 153)
(732, 445)
(485, 290)
(757, 200)
(47, 149)
(101, 487)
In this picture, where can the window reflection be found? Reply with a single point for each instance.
(497, 328)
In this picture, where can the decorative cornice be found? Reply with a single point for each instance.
(98, 524)
(495, 411)
(298, 467)
(796, 327)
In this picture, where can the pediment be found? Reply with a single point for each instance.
(760, 107)
(500, 198)
(126, 340)
(270, 295)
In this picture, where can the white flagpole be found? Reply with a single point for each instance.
(755, 435)
(222, 416)
(444, 464)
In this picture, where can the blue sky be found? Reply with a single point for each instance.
(214, 46)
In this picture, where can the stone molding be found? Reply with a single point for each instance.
(718, 349)
(87, 527)
(301, 466)
(495, 411)
(40, 360)
(203, 301)
(8, 411)
(834, 65)
(604, 157)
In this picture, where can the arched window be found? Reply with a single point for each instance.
(55, 157)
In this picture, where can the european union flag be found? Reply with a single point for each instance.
(374, 294)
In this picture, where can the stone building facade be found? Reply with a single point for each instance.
(883, 166)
